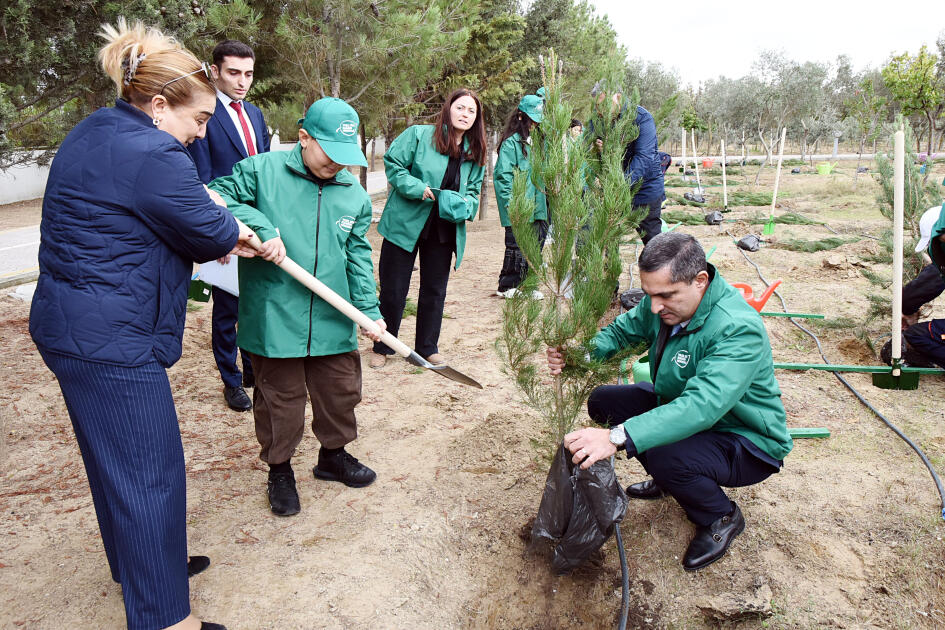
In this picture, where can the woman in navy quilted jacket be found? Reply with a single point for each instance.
(124, 218)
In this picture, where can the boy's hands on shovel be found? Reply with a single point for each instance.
(375, 336)
(272, 250)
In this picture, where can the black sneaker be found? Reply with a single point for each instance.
(345, 468)
(283, 497)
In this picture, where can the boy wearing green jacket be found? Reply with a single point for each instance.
(302, 203)
(711, 417)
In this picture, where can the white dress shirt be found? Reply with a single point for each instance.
(226, 100)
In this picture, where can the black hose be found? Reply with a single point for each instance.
(925, 460)
(624, 574)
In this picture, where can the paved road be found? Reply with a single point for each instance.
(18, 250)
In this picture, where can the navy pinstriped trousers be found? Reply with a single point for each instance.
(126, 426)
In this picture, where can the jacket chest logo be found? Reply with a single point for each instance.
(681, 358)
(345, 223)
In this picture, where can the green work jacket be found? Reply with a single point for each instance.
(323, 226)
(716, 374)
(510, 160)
(412, 164)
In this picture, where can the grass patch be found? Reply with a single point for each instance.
(747, 198)
(682, 201)
(193, 306)
(681, 216)
(798, 245)
(789, 218)
(410, 309)
(835, 323)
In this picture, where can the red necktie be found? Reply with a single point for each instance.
(250, 148)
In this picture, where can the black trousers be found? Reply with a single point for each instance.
(928, 339)
(651, 225)
(514, 265)
(691, 470)
(394, 271)
(223, 338)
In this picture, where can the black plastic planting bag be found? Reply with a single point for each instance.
(579, 510)
(714, 218)
(750, 242)
(630, 298)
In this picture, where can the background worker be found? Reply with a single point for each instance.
(125, 217)
(236, 130)
(712, 416)
(641, 165)
(514, 149)
(449, 155)
(923, 342)
(303, 203)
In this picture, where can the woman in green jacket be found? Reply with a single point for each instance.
(435, 173)
(514, 148)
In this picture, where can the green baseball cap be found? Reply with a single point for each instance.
(532, 106)
(335, 124)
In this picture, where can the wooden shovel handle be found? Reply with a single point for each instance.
(319, 288)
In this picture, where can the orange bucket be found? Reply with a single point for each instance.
(707, 163)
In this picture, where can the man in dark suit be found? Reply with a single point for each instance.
(236, 130)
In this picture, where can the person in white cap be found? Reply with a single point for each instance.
(924, 342)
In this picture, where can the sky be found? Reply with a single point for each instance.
(703, 40)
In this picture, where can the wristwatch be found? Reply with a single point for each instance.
(618, 436)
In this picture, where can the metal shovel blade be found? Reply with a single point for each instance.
(442, 370)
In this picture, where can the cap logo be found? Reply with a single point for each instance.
(347, 128)
(540, 107)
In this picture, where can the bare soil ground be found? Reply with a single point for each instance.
(848, 535)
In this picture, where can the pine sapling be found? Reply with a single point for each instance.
(590, 209)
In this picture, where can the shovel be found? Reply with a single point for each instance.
(317, 287)
(769, 226)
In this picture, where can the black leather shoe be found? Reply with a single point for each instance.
(711, 542)
(206, 625)
(283, 497)
(197, 564)
(237, 399)
(345, 468)
(647, 490)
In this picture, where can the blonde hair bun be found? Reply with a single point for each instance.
(141, 59)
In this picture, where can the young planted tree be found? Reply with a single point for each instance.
(589, 202)
(917, 198)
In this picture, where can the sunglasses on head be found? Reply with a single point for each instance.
(204, 67)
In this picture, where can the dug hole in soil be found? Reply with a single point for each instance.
(847, 535)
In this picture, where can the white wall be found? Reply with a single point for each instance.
(20, 183)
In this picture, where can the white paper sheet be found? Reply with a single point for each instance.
(225, 277)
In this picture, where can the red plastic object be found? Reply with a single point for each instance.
(756, 303)
(707, 163)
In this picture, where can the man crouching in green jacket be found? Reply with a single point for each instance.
(302, 203)
(711, 417)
